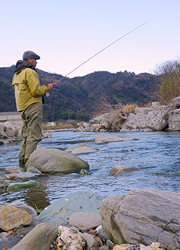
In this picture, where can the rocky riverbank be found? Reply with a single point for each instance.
(143, 219)
(155, 118)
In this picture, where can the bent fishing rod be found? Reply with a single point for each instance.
(47, 94)
(101, 51)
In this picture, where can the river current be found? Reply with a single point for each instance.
(155, 156)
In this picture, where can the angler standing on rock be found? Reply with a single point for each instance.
(29, 99)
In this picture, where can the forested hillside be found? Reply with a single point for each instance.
(81, 97)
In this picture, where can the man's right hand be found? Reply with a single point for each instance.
(51, 85)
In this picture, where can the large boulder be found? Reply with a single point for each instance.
(154, 118)
(77, 202)
(55, 161)
(142, 216)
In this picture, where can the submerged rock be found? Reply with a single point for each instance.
(120, 169)
(105, 138)
(18, 185)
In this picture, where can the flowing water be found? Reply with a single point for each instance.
(155, 156)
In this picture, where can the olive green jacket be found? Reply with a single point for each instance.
(27, 88)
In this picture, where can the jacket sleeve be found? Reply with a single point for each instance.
(32, 79)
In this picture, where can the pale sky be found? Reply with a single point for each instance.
(65, 33)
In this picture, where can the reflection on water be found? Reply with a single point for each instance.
(155, 156)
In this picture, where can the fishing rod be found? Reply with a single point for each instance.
(47, 94)
(100, 51)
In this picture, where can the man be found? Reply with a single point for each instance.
(29, 95)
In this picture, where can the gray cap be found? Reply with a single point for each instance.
(30, 54)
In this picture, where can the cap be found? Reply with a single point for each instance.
(30, 54)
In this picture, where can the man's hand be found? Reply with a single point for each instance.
(51, 85)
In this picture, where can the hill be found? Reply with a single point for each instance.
(81, 97)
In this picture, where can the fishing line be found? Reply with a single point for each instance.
(99, 52)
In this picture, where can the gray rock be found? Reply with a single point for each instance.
(33, 170)
(38, 238)
(90, 241)
(104, 138)
(10, 129)
(16, 186)
(142, 216)
(55, 161)
(13, 170)
(84, 150)
(23, 175)
(173, 120)
(77, 202)
(120, 169)
(85, 220)
(70, 149)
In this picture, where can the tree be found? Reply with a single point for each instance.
(170, 81)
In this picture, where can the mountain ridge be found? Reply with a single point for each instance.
(81, 97)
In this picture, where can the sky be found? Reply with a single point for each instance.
(66, 33)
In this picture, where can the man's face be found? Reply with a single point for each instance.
(32, 61)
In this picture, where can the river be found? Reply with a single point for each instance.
(155, 155)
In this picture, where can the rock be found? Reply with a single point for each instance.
(33, 170)
(142, 216)
(13, 170)
(77, 202)
(10, 129)
(12, 217)
(154, 118)
(38, 238)
(85, 220)
(104, 138)
(69, 239)
(89, 239)
(173, 120)
(176, 100)
(83, 150)
(3, 135)
(55, 161)
(46, 134)
(4, 183)
(18, 185)
(120, 169)
(17, 214)
(2, 126)
(70, 149)
(153, 246)
(25, 176)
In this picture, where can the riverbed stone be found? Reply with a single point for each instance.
(12, 217)
(55, 161)
(40, 237)
(142, 216)
(16, 186)
(82, 201)
(23, 175)
(13, 170)
(69, 239)
(85, 220)
(70, 149)
(105, 138)
(83, 150)
(120, 169)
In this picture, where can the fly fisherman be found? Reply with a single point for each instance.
(29, 98)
